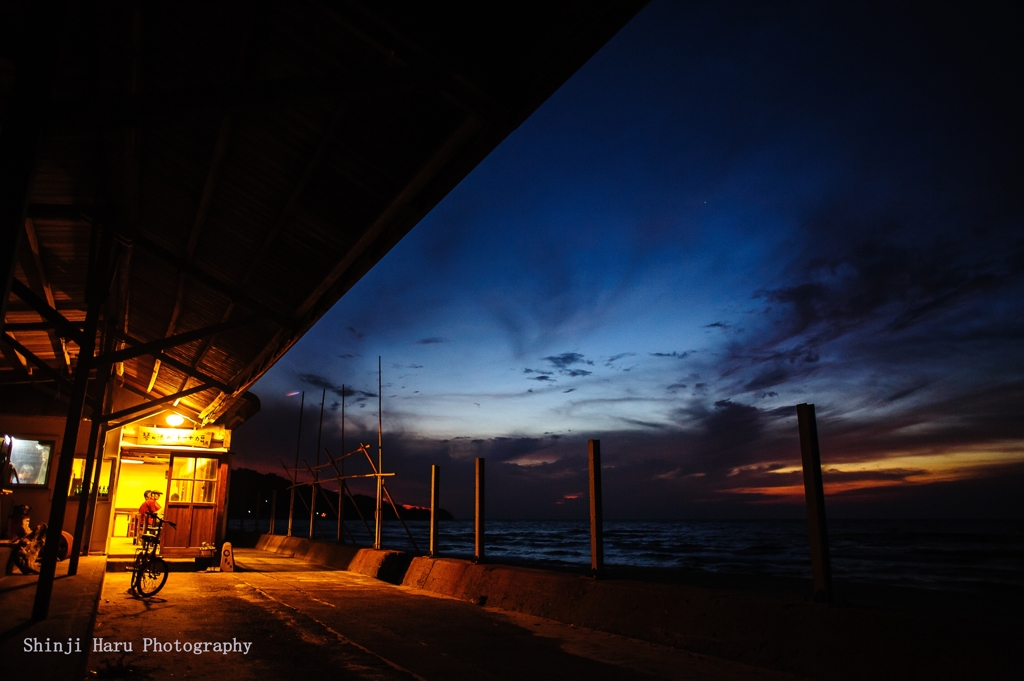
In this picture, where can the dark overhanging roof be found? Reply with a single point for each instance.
(229, 171)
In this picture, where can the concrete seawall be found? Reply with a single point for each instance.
(388, 566)
(920, 635)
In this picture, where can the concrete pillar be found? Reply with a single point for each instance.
(596, 514)
(479, 515)
(814, 495)
(435, 505)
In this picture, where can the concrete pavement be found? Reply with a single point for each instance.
(303, 622)
(72, 608)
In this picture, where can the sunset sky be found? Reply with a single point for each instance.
(725, 213)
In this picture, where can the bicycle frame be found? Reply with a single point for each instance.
(149, 571)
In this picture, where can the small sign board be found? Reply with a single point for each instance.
(175, 436)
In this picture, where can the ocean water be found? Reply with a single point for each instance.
(962, 555)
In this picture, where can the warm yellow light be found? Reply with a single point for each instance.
(175, 419)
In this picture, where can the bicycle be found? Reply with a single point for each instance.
(149, 571)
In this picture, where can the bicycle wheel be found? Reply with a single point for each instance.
(136, 570)
(152, 577)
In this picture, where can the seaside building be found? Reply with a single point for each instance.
(186, 190)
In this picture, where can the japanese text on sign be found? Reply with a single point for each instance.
(175, 436)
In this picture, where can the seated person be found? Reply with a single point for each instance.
(149, 508)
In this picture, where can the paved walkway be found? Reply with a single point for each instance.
(72, 607)
(308, 621)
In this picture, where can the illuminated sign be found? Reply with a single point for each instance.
(175, 436)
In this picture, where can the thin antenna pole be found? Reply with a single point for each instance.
(316, 476)
(341, 484)
(380, 455)
(295, 471)
(320, 428)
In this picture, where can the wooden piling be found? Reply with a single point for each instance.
(273, 509)
(596, 514)
(479, 515)
(814, 494)
(435, 505)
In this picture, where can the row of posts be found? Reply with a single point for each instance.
(813, 494)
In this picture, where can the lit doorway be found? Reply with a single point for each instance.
(137, 474)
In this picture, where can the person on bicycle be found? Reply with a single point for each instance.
(150, 506)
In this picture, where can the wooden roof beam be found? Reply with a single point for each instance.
(131, 411)
(60, 347)
(140, 348)
(65, 328)
(232, 292)
(164, 359)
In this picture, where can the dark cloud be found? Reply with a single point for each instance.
(543, 377)
(904, 393)
(431, 341)
(615, 358)
(348, 356)
(355, 332)
(574, 373)
(567, 359)
(318, 381)
(718, 325)
(769, 378)
(677, 355)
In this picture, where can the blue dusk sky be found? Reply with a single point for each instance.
(731, 209)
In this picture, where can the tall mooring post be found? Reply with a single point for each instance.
(814, 494)
(259, 499)
(435, 505)
(291, 510)
(273, 510)
(479, 515)
(596, 514)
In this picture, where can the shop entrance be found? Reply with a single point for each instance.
(137, 474)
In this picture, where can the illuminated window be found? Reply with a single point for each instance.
(193, 480)
(30, 462)
(78, 472)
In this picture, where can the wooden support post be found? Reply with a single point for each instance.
(94, 493)
(435, 505)
(83, 496)
(273, 510)
(100, 252)
(479, 515)
(814, 495)
(48, 563)
(596, 514)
